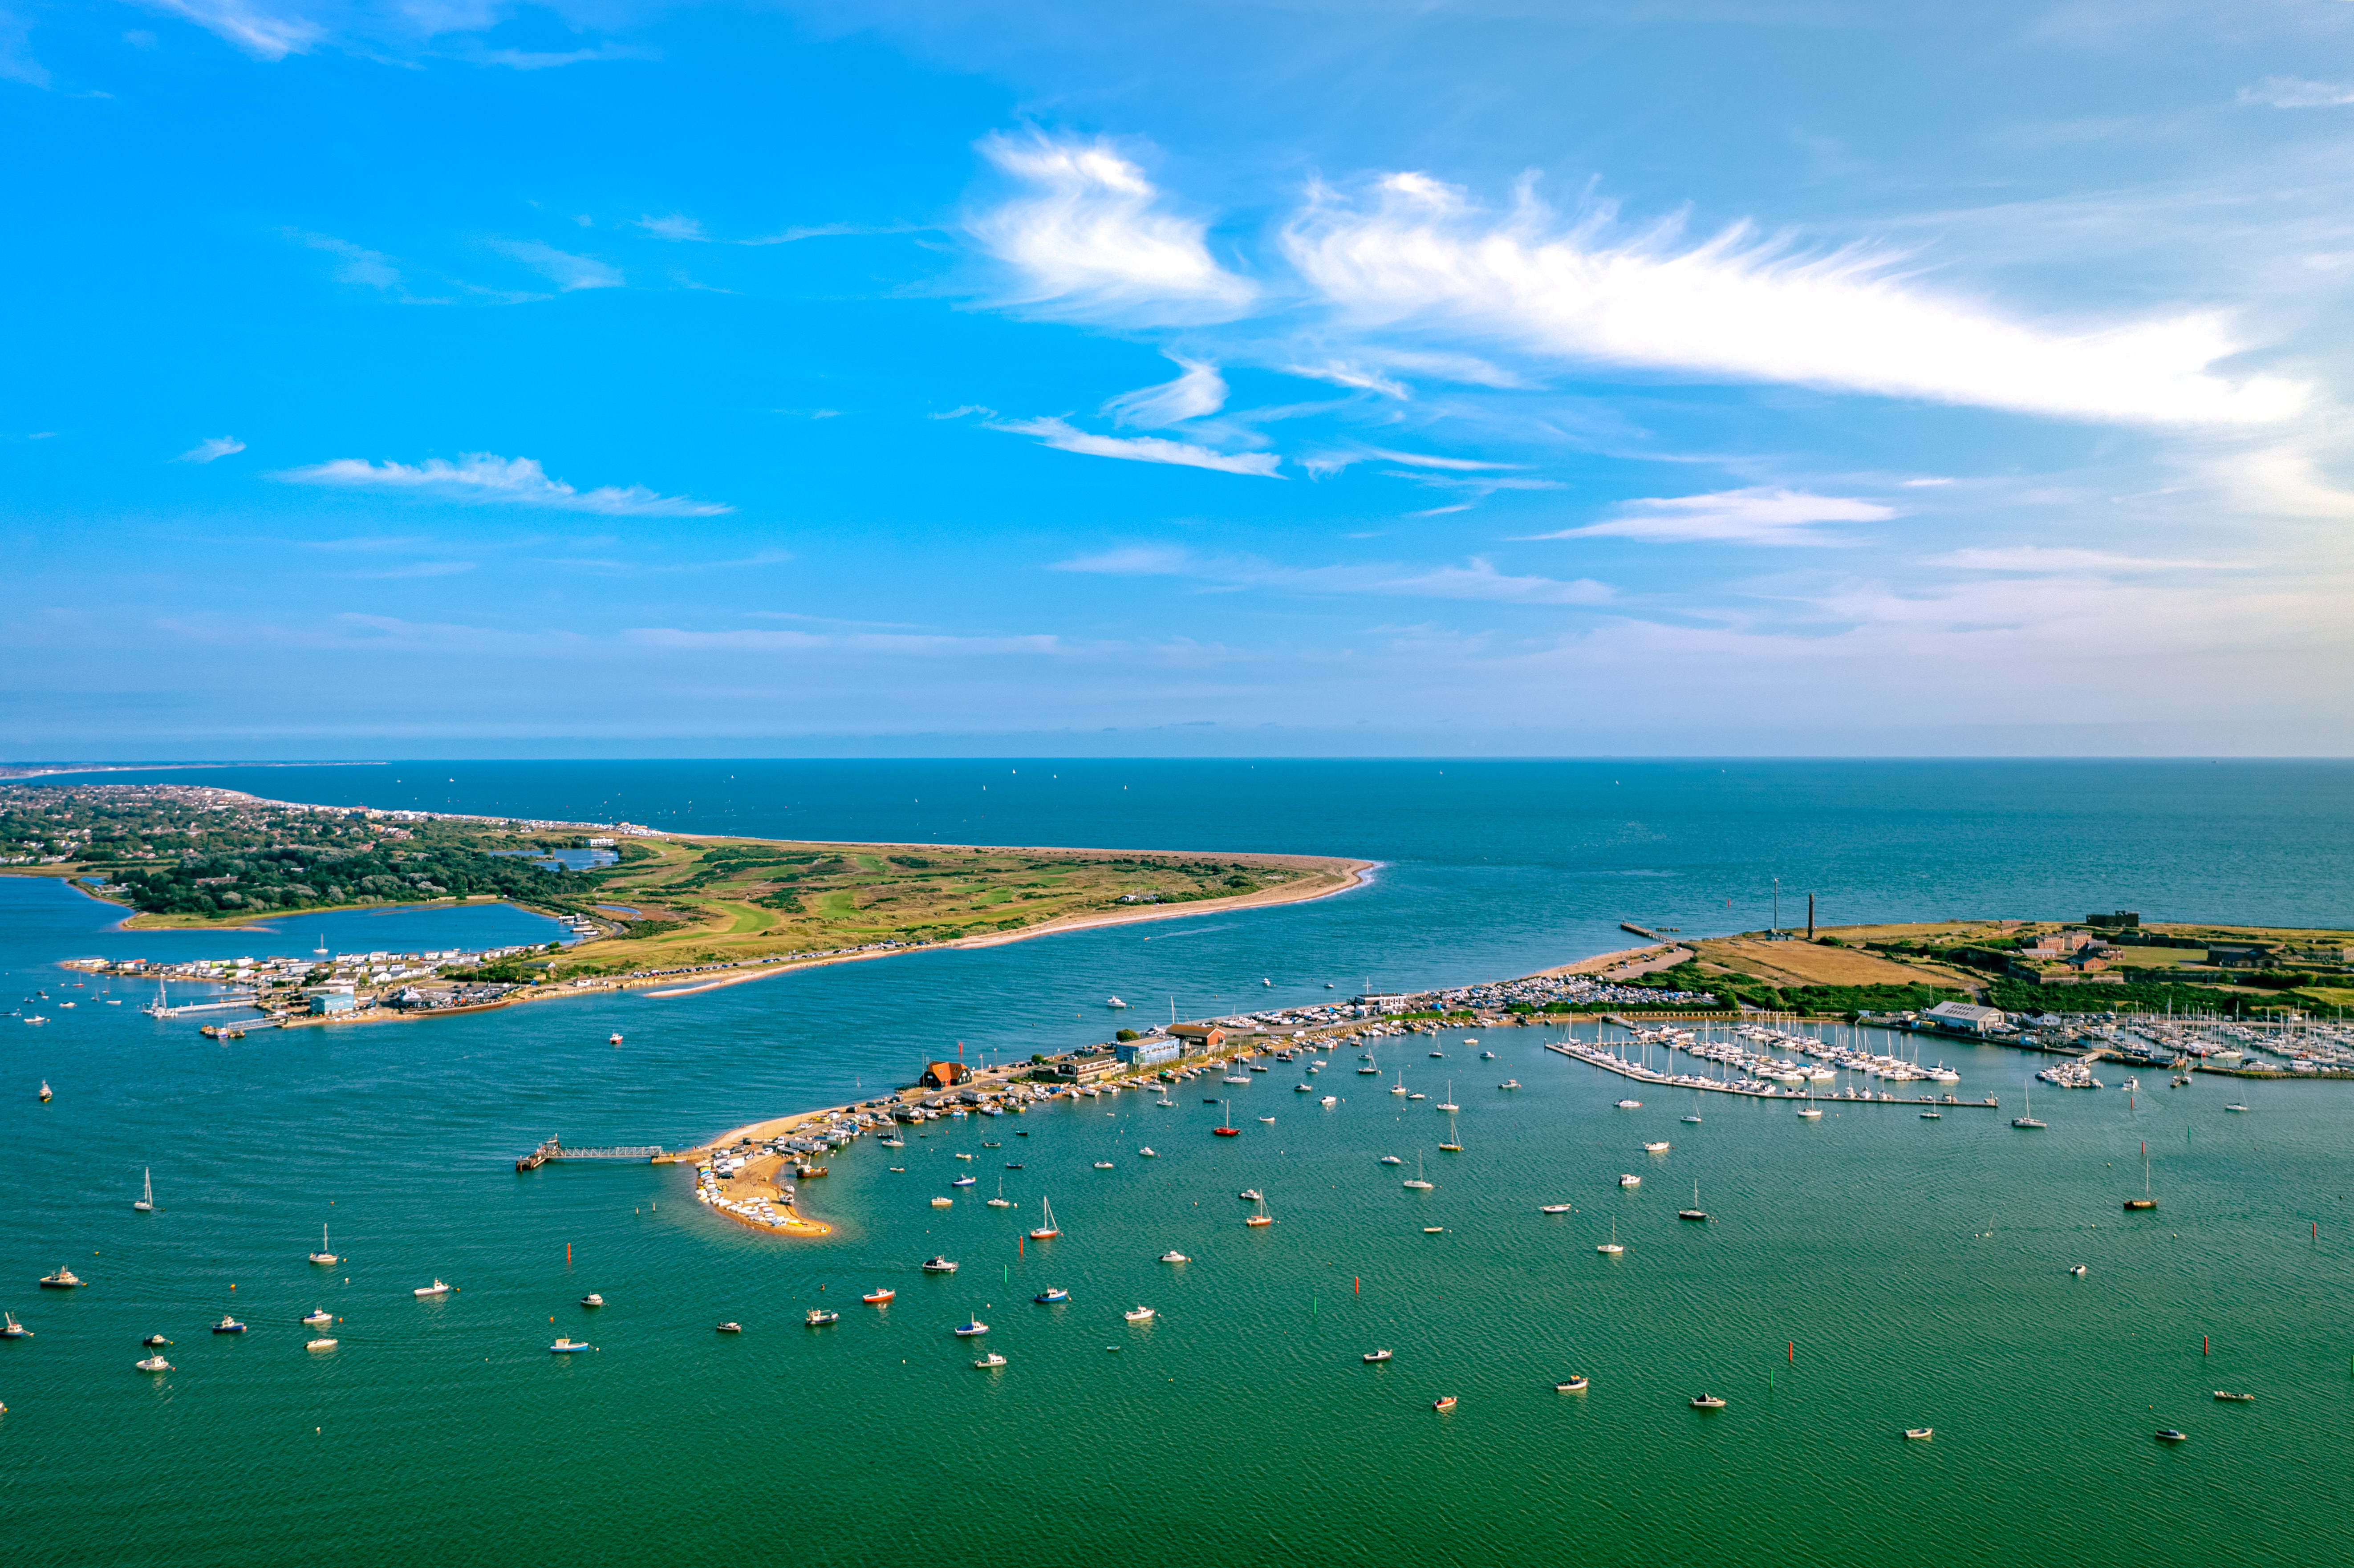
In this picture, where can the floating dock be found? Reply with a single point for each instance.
(1594, 1055)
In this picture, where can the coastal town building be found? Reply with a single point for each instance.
(1146, 1053)
(943, 1075)
(1963, 1018)
(1192, 1039)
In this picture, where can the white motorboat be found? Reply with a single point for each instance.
(1173, 1256)
(318, 1318)
(321, 1344)
(1555, 1209)
(1140, 1314)
(436, 1288)
(1630, 1105)
(1656, 1146)
(1630, 1180)
(154, 1364)
(989, 1361)
(568, 1345)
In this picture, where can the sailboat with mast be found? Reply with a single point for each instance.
(1695, 1212)
(1418, 1184)
(2144, 1201)
(2027, 1096)
(1454, 1144)
(323, 1256)
(146, 1204)
(1226, 1128)
(1045, 1230)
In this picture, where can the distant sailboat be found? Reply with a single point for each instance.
(323, 1256)
(1418, 1184)
(1046, 1230)
(146, 1204)
(2026, 1094)
(2144, 1201)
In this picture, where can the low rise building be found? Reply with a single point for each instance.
(1146, 1053)
(1963, 1018)
(1193, 1039)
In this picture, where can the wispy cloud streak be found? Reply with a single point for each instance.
(481, 478)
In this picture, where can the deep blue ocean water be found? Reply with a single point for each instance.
(1917, 1268)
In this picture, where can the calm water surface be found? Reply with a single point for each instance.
(1864, 1273)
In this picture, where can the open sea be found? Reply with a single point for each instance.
(1863, 1273)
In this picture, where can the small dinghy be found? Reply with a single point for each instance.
(1572, 1385)
(1444, 1403)
(1049, 1297)
(731, 1327)
(1920, 1433)
(877, 1298)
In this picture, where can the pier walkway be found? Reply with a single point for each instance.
(554, 1148)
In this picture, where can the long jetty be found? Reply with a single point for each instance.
(554, 1148)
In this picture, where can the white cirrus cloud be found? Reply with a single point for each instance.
(1758, 515)
(788, 642)
(265, 32)
(1477, 580)
(1064, 437)
(2296, 92)
(1347, 373)
(2048, 560)
(211, 450)
(562, 268)
(1746, 308)
(1200, 390)
(487, 477)
(1095, 237)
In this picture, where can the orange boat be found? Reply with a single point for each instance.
(876, 1297)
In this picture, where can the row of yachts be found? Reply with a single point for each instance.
(1764, 1055)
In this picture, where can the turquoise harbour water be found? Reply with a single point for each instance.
(1919, 1268)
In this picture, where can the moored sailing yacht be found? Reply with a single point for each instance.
(2144, 1201)
(2027, 1098)
(146, 1204)
(1417, 1184)
(323, 1256)
(1046, 1230)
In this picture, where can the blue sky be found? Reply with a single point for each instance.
(466, 379)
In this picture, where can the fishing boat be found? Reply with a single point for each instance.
(1659, 1147)
(13, 1330)
(877, 1298)
(323, 1256)
(1509, 1084)
(154, 1364)
(1140, 1314)
(616, 1038)
(1611, 1247)
(1555, 1208)
(1630, 1180)
(1249, 1195)
(942, 1202)
(1045, 1230)
(730, 1328)
(1173, 1256)
(146, 1204)
(229, 1325)
(989, 1361)
(2144, 1201)
(1417, 1183)
(1377, 1357)
(1446, 1402)
(1695, 1212)
(154, 1340)
(938, 1266)
(321, 1344)
(436, 1288)
(1049, 1297)
(1920, 1433)
(314, 1319)
(63, 1279)
(2027, 1099)
(45, 1095)
(568, 1345)
(1707, 1402)
(970, 1329)
(819, 1317)
(1571, 1385)
(2235, 1398)
(2168, 1434)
